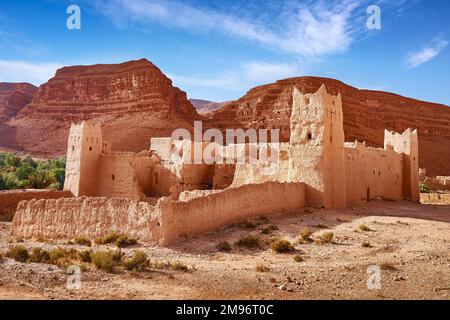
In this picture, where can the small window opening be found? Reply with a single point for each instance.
(73, 148)
(309, 136)
(90, 148)
(113, 177)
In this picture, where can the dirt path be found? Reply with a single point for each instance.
(411, 240)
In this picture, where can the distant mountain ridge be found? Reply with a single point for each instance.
(205, 107)
(135, 101)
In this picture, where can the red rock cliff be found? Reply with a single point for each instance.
(13, 97)
(134, 101)
(366, 115)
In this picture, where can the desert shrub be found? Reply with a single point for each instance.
(179, 266)
(39, 255)
(136, 263)
(282, 246)
(18, 253)
(363, 227)
(124, 241)
(269, 229)
(108, 238)
(159, 265)
(249, 241)
(298, 258)
(103, 260)
(85, 256)
(83, 241)
(305, 235)
(423, 188)
(223, 246)
(262, 268)
(57, 254)
(326, 237)
(118, 256)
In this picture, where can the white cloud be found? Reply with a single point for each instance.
(307, 29)
(19, 71)
(428, 53)
(248, 75)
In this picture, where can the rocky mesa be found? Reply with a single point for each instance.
(366, 115)
(14, 97)
(133, 101)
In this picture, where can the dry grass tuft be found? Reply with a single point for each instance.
(223, 246)
(249, 241)
(262, 268)
(282, 246)
(326, 237)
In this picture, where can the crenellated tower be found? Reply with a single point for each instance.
(407, 144)
(85, 145)
(317, 147)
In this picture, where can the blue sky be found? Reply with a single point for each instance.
(219, 49)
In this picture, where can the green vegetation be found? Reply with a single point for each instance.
(23, 172)
(423, 188)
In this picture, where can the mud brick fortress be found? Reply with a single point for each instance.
(151, 197)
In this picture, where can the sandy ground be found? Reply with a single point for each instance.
(414, 238)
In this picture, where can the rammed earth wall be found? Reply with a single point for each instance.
(165, 222)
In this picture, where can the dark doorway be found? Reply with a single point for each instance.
(368, 194)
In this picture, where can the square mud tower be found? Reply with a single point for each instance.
(316, 155)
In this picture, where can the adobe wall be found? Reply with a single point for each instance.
(86, 217)
(220, 208)
(407, 144)
(371, 173)
(10, 199)
(435, 198)
(124, 175)
(165, 222)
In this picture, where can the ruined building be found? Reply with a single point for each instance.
(151, 196)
